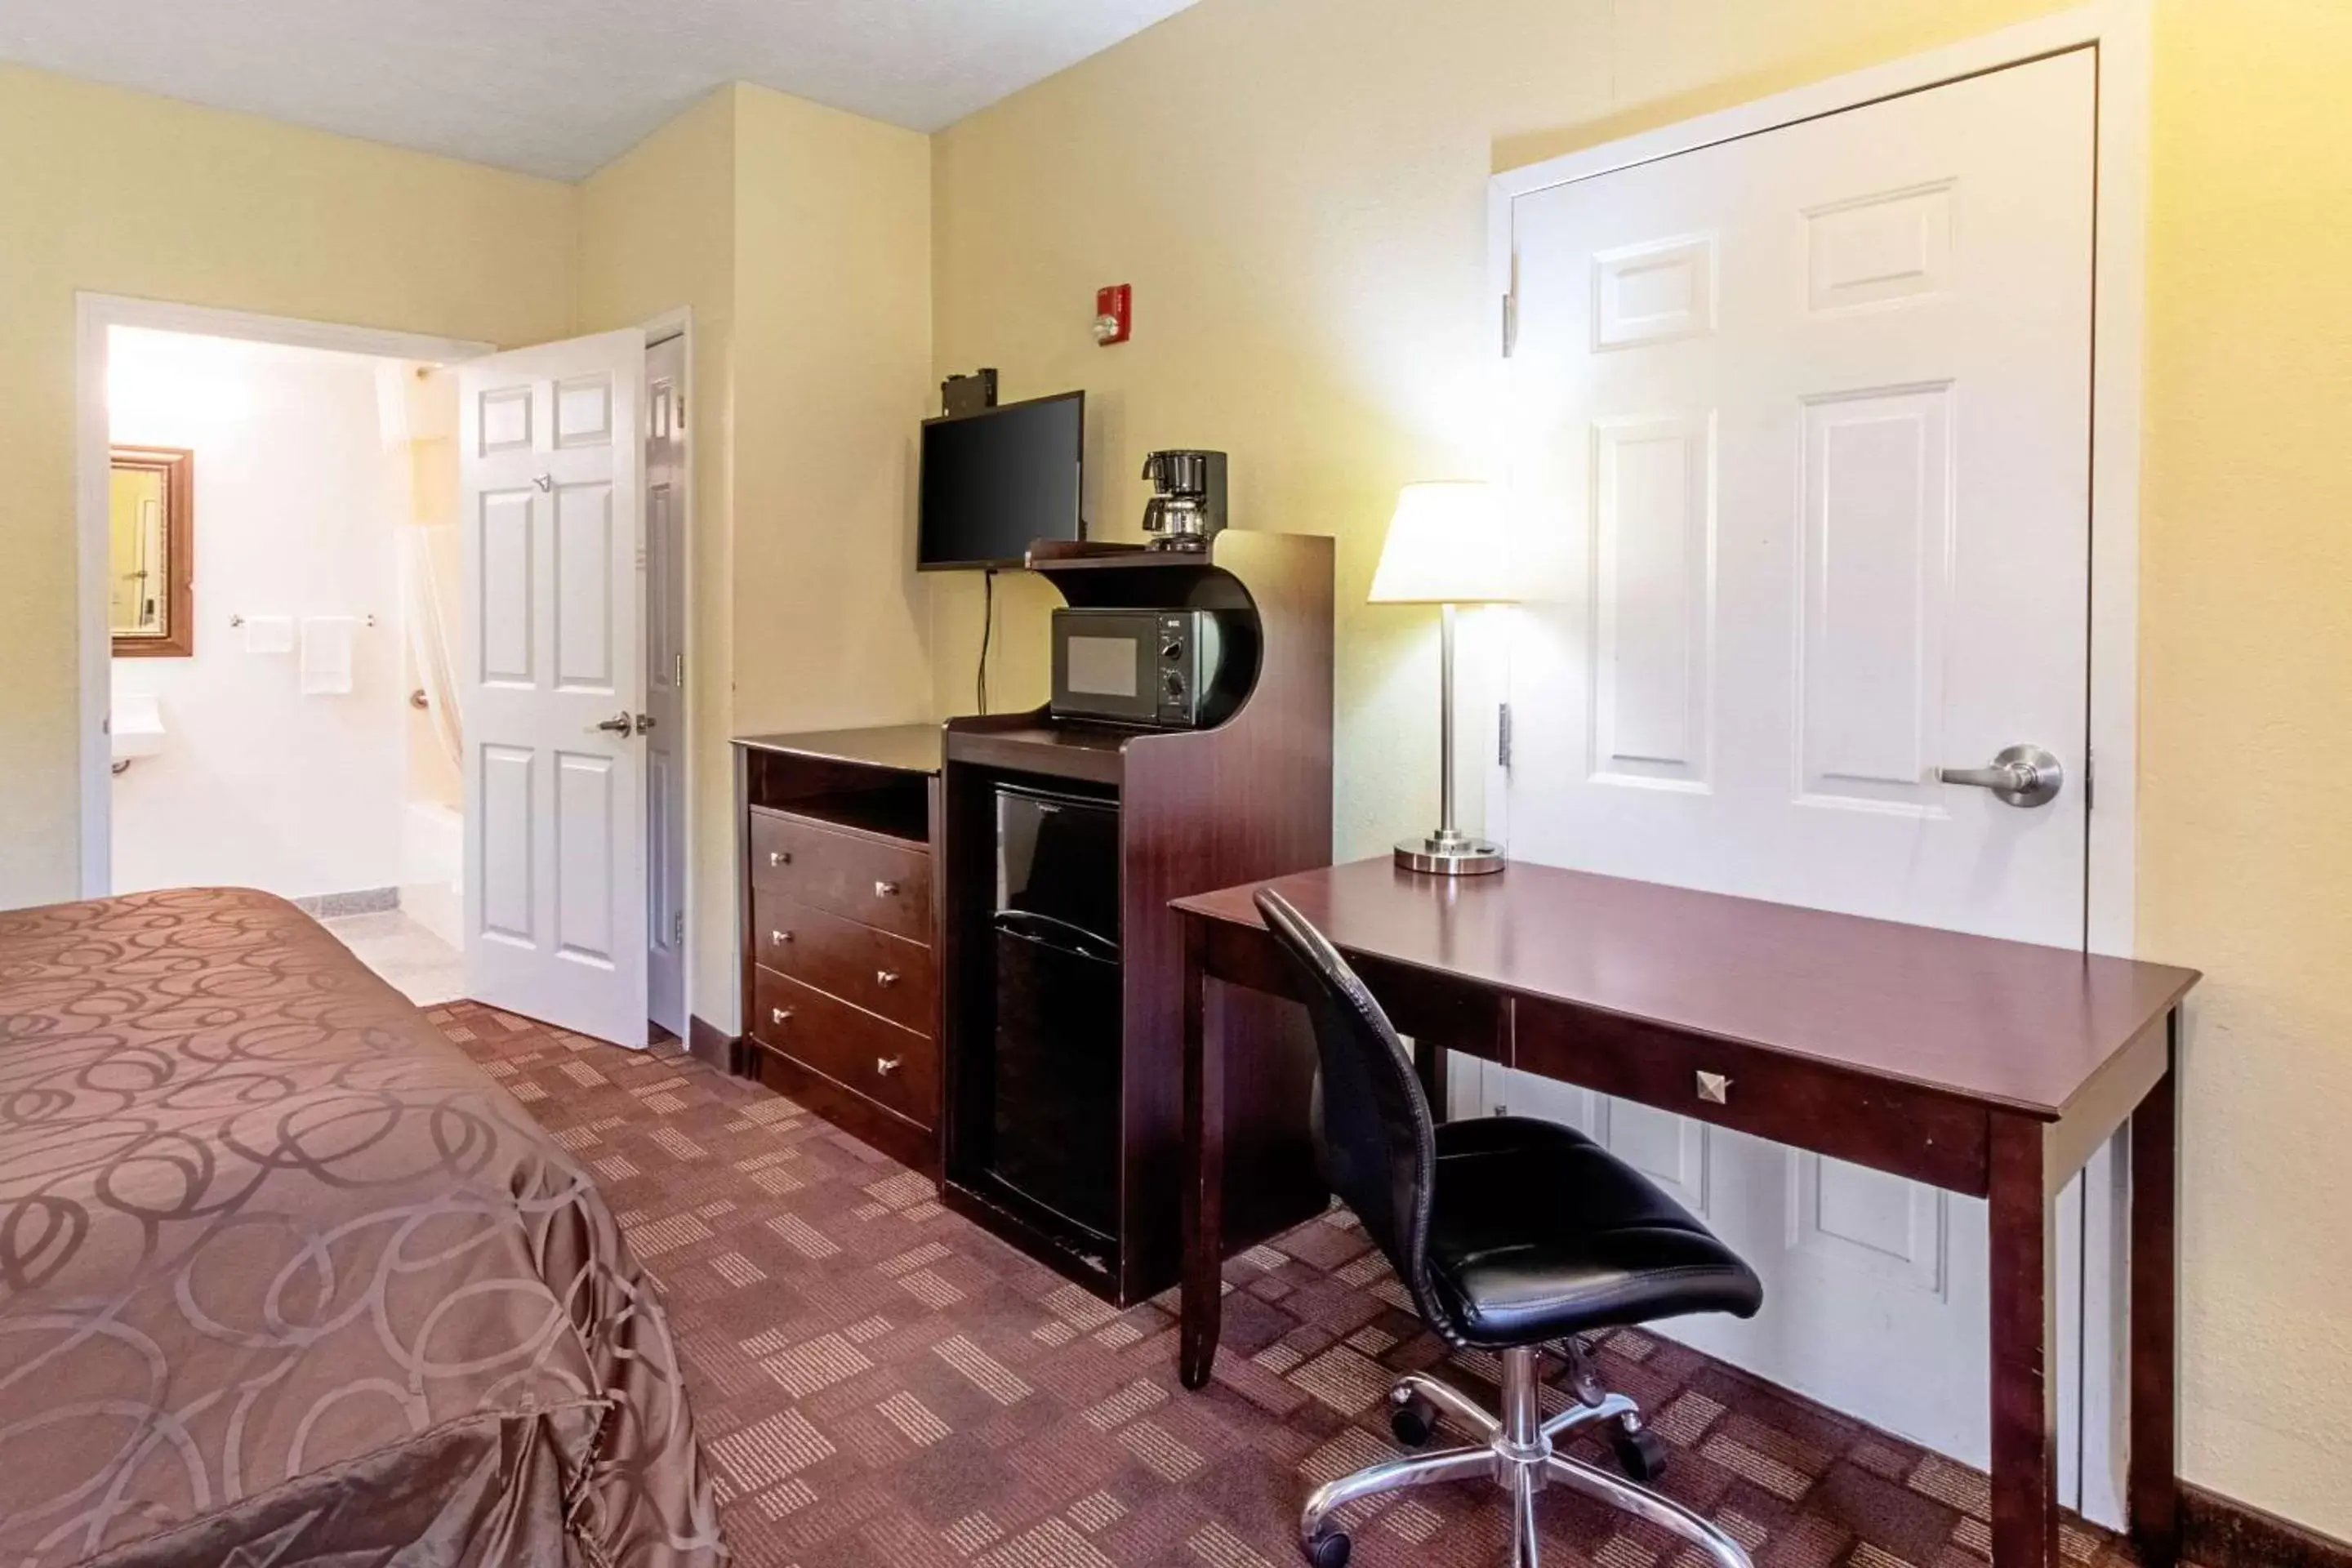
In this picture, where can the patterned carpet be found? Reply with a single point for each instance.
(883, 1385)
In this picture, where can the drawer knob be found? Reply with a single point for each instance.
(779, 937)
(885, 977)
(885, 1066)
(1714, 1089)
(779, 856)
(885, 890)
(780, 1015)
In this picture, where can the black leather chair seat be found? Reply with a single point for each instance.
(1536, 1233)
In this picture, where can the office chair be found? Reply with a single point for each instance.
(1512, 1234)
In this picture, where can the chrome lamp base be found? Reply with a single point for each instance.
(1448, 853)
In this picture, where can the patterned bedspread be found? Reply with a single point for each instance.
(284, 1280)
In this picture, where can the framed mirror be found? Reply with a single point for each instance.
(152, 534)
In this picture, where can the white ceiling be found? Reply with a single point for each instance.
(559, 87)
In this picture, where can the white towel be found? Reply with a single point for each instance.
(327, 655)
(269, 634)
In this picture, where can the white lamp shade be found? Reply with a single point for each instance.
(1447, 545)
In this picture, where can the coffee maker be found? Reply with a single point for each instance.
(1189, 504)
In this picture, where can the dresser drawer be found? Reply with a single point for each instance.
(869, 879)
(893, 1066)
(882, 973)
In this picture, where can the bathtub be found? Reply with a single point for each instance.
(433, 869)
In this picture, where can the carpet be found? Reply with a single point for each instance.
(881, 1384)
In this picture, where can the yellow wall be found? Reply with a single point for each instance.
(1297, 189)
(657, 232)
(122, 193)
(801, 238)
(833, 281)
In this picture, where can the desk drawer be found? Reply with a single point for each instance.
(1913, 1133)
(869, 879)
(891, 1066)
(880, 972)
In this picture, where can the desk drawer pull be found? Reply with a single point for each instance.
(780, 1015)
(1714, 1089)
(779, 856)
(885, 1066)
(885, 890)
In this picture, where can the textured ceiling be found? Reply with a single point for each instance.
(559, 87)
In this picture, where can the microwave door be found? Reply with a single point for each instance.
(1106, 668)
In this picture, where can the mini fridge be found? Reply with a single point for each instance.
(1056, 1087)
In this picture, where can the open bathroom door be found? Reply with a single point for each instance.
(552, 683)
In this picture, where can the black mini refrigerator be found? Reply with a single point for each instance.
(1057, 1081)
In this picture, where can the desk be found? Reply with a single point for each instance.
(1989, 1068)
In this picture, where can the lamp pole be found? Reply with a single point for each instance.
(1448, 852)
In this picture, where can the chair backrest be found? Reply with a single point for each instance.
(1374, 1137)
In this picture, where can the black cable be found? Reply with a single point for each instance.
(987, 627)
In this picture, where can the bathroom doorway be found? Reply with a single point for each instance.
(319, 597)
(282, 607)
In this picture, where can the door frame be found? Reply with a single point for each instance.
(679, 323)
(2119, 30)
(94, 315)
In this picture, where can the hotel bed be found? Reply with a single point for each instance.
(285, 1279)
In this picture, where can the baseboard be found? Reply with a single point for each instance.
(2219, 1532)
(707, 1042)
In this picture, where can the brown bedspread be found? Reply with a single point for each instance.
(284, 1280)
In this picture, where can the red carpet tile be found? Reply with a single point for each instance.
(881, 1384)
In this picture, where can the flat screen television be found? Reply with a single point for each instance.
(994, 480)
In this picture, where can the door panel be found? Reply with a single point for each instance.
(1799, 441)
(665, 793)
(553, 665)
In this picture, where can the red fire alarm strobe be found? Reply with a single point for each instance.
(1114, 313)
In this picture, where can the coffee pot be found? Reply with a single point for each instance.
(1189, 500)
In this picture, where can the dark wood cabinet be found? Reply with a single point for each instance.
(871, 956)
(1197, 809)
(840, 917)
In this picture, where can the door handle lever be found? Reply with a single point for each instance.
(619, 724)
(2020, 775)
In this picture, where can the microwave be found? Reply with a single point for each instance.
(1175, 670)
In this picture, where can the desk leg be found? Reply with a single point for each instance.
(2154, 1485)
(1203, 1302)
(2024, 1349)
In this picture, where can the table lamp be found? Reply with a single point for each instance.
(1448, 545)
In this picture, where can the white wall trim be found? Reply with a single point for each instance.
(94, 314)
(679, 323)
(2121, 33)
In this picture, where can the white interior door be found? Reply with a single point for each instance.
(666, 790)
(553, 683)
(1802, 442)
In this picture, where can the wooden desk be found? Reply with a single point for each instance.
(1989, 1068)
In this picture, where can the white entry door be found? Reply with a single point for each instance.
(553, 683)
(1801, 444)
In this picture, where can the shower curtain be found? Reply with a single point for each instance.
(430, 586)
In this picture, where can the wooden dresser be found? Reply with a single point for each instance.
(840, 914)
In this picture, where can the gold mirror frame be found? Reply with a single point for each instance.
(177, 465)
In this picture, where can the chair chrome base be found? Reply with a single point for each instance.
(1516, 1453)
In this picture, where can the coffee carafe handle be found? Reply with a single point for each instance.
(1155, 468)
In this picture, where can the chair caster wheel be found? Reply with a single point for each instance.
(1414, 1421)
(1641, 1453)
(1327, 1548)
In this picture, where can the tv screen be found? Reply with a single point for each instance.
(994, 480)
